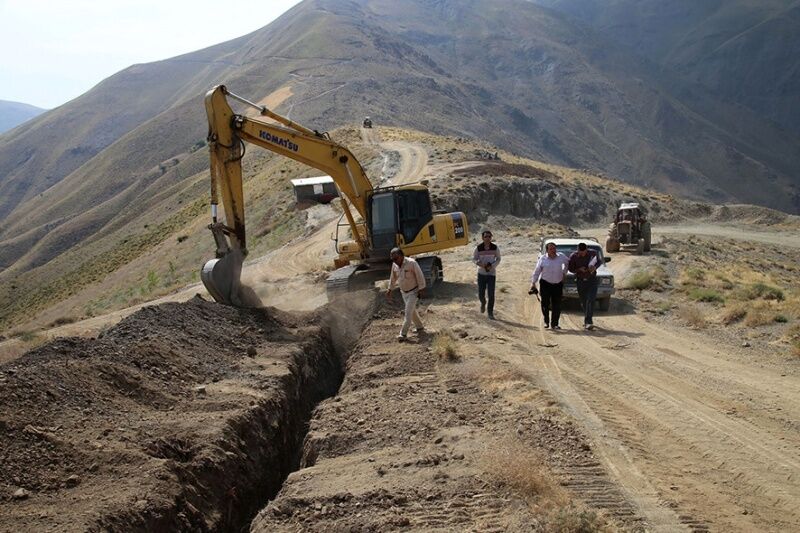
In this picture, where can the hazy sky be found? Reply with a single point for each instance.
(55, 50)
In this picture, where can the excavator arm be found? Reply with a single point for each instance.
(227, 132)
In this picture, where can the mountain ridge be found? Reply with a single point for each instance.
(12, 114)
(514, 75)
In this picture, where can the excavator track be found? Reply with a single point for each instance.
(338, 282)
(432, 269)
(363, 277)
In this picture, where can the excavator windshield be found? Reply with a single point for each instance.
(383, 219)
(415, 213)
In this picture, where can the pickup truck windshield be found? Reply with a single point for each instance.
(567, 249)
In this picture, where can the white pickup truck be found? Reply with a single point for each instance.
(605, 278)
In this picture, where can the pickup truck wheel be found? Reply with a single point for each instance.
(605, 303)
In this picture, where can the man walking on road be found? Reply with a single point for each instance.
(583, 263)
(549, 272)
(407, 275)
(487, 257)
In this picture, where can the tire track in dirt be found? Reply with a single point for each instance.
(692, 435)
(413, 162)
(661, 413)
(697, 438)
(615, 458)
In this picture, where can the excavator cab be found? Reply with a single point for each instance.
(396, 217)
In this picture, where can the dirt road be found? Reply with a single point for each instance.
(698, 434)
(728, 231)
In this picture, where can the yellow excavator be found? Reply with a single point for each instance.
(379, 218)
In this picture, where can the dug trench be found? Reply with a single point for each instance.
(189, 417)
(182, 417)
(441, 434)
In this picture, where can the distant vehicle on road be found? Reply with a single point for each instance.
(630, 230)
(605, 278)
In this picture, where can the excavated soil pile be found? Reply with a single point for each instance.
(182, 417)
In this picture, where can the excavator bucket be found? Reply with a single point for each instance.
(223, 280)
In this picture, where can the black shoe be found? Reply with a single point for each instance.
(556, 327)
(491, 316)
(546, 325)
(483, 308)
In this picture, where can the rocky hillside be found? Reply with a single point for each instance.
(99, 183)
(746, 52)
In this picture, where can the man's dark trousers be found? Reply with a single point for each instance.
(486, 284)
(551, 299)
(587, 294)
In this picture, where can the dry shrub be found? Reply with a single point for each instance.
(29, 337)
(705, 294)
(641, 280)
(663, 307)
(445, 346)
(60, 321)
(654, 278)
(523, 470)
(692, 315)
(692, 276)
(759, 314)
(576, 519)
(733, 313)
(792, 306)
(759, 290)
(793, 338)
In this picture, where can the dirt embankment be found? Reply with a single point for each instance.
(500, 188)
(182, 417)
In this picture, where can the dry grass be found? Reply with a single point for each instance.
(523, 470)
(793, 338)
(692, 316)
(640, 280)
(733, 313)
(758, 290)
(445, 346)
(576, 519)
(704, 294)
(654, 278)
(759, 314)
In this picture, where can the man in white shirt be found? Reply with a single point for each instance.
(550, 271)
(408, 276)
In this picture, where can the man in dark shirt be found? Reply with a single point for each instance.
(584, 263)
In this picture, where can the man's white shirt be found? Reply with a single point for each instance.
(552, 270)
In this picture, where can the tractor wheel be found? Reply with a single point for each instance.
(647, 236)
(605, 303)
(640, 247)
(612, 245)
